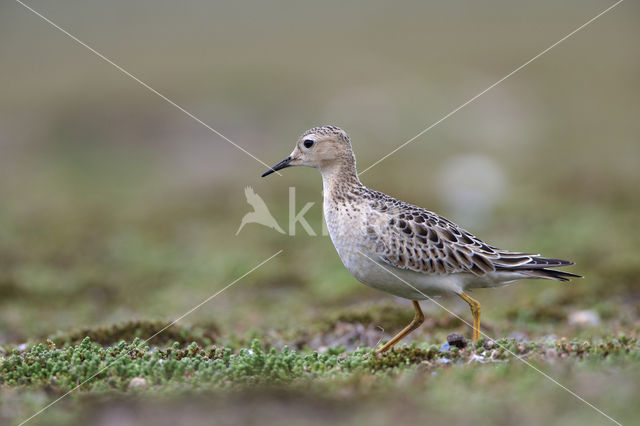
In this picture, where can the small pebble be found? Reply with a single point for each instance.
(138, 383)
(476, 358)
(489, 344)
(456, 340)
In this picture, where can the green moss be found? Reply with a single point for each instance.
(101, 368)
(402, 356)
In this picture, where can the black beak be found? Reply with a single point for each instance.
(281, 165)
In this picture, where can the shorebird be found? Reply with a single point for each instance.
(400, 248)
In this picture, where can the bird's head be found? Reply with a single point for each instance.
(321, 148)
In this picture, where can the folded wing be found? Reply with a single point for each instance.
(422, 241)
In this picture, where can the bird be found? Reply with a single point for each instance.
(260, 213)
(400, 248)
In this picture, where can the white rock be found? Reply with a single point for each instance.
(583, 318)
(471, 186)
(476, 358)
(138, 383)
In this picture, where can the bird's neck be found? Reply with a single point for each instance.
(340, 177)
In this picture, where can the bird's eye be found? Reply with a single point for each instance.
(308, 143)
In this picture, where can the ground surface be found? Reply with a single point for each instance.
(119, 214)
(192, 373)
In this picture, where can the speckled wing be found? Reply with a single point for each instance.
(422, 241)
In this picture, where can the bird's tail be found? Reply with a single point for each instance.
(539, 267)
(551, 274)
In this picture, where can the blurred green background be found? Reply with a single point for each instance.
(117, 206)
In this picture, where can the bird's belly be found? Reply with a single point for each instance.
(414, 285)
(402, 282)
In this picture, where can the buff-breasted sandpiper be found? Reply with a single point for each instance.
(400, 248)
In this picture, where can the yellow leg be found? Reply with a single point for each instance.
(417, 320)
(475, 311)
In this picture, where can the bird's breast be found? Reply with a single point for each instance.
(347, 224)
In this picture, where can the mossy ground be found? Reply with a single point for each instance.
(96, 367)
(118, 214)
(490, 378)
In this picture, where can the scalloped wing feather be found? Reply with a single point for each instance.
(420, 240)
